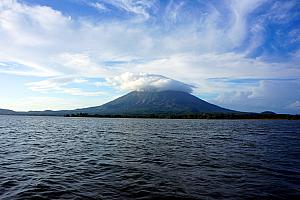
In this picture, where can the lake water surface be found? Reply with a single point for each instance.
(90, 158)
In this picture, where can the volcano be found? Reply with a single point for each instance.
(164, 102)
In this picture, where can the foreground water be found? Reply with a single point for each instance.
(85, 158)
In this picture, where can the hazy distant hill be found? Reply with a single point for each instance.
(6, 112)
(156, 103)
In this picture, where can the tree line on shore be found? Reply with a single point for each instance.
(192, 116)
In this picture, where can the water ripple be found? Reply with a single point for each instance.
(85, 158)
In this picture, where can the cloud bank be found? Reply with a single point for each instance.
(148, 82)
(270, 94)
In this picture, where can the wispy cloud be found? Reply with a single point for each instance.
(139, 8)
(99, 6)
(26, 69)
(59, 85)
(173, 9)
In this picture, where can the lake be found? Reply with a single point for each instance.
(95, 158)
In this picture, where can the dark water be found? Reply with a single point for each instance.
(84, 158)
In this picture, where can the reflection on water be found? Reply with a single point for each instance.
(85, 158)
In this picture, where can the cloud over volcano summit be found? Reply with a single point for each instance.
(148, 82)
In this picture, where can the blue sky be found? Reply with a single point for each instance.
(66, 54)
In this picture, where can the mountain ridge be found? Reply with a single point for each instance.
(142, 103)
(6, 112)
(163, 102)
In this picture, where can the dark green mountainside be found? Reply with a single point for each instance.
(6, 112)
(164, 102)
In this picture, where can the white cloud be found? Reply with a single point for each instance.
(30, 25)
(280, 11)
(173, 10)
(44, 37)
(51, 84)
(98, 6)
(81, 64)
(239, 27)
(194, 67)
(97, 43)
(136, 7)
(147, 82)
(78, 60)
(59, 85)
(26, 69)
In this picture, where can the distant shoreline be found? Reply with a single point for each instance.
(280, 117)
(195, 116)
(232, 116)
